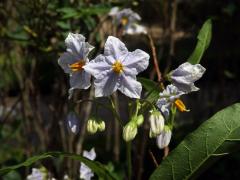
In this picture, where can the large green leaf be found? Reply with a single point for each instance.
(96, 167)
(216, 137)
(204, 39)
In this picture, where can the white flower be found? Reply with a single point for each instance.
(113, 11)
(164, 138)
(117, 69)
(156, 121)
(134, 29)
(85, 172)
(73, 122)
(169, 96)
(124, 17)
(74, 59)
(185, 75)
(37, 174)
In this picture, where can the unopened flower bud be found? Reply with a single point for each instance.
(101, 125)
(156, 123)
(164, 138)
(139, 120)
(92, 126)
(130, 131)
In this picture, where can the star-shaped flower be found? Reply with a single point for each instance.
(117, 69)
(168, 97)
(185, 75)
(74, 59)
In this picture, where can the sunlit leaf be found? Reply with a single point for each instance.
(218, 136)
(204, 39)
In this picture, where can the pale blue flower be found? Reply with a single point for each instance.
(164, 138)
(73, 122)
(74, 59)
(36, 174)
(85, 172)
(185, 75)
(167, 98)
(125, 17)
(117, 69)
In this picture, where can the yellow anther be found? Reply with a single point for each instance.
(124, 21)
(180, 105)
(77, 66)
(117, 67)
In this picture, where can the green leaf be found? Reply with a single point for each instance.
(216, 137)
(152, 88)
(204, 39)
(96, 167)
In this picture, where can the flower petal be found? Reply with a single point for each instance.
(116, 48)
(130, 87)
(164, 106)
(164, 139)
(106, 85)
(66, 59)
(98, 67)
(79, 80)
(137, 61)
(76, 45)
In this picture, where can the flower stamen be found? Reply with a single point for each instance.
(180, 106)
(78, 66)
(124, 21)
(117, 67)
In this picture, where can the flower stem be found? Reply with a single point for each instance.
(129, 160)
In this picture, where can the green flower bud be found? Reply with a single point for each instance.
(156, 121)
(101, 125)
(139, 120)
(92, 126)
(130, 131)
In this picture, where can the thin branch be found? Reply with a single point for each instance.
(153, 158)
(155, 60)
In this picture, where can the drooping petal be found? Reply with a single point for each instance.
(135, 29)
(85, 172)
(164, 105)
(185, 75)
(107, 85)
(80, 80)
(116, 48)
(164, 138)
(98, 67)
(136, 61)
(65, 60)
(130, 87)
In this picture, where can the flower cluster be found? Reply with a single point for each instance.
(115, 69)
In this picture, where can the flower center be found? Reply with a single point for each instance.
(124, 21)
(117, 67)
(77, 66)
(180, 105)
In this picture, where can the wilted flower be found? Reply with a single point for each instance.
(37, 174)
(73, 122)
(74, 59)
(130, 131)
(117, 69)
(185, 75)
(156, 121)
(124, 17)
(164, 138)
(170, 96)
(134, 29)
(85, 172)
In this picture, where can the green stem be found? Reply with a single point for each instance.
(129, 160)
(115, 111)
